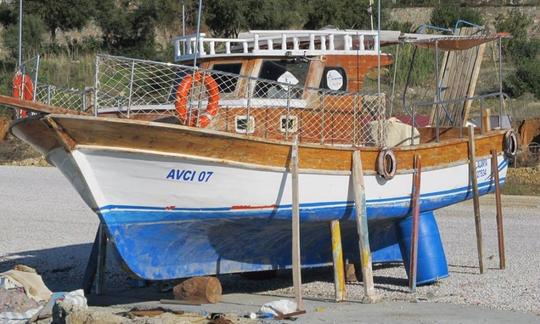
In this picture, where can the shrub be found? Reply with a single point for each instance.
(447, 15)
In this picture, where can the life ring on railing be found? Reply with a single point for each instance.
(510, 145)
(22, 82)
(182, 94)
(386, 164)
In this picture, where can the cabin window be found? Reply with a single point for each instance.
(227, 83)
(242, 126)
(291, 72)
(334, 78)
(288, 124)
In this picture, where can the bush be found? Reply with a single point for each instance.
(447, 15)
(34, 30)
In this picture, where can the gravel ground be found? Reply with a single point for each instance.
(59, 248)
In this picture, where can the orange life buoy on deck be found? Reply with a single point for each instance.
(182, 93)
(22, 82)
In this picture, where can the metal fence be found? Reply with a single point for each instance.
(238, 104)
(65, 97)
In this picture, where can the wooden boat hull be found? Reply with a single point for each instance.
(181, 202)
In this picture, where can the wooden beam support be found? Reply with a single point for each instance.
(476, 200)
(415, 208)
(337, 256)
(95, 269)
(101, 260)
(296, 265)
(498, 203)
(362, 227)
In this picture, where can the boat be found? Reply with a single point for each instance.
(188, 166)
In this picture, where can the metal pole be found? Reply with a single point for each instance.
(197, 36)
(501, 103)
(288, 112)
(20, 32)
(437, 89)
(130, 87)
(96, 87)
(183, 19)
(36, 79)
(379, 49)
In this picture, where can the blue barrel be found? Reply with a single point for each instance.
(432, 264)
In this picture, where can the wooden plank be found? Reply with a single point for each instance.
(362, 227)
(296, 265)
(337, 257)
(476, 201)
(498, 203)
(486, 121)
(36, 106)
(415, 207)
(474, 79)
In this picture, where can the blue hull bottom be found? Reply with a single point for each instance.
(167, 250)
(158, 244)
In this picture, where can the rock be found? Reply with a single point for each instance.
(15, 300)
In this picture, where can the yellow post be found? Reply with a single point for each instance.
(337, 256)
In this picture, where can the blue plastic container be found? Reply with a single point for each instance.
(432, 264)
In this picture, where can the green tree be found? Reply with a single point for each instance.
(226, 18)
(128, 29)
(522, 51)
(34, 30)
(339, 13)
(62, 14)
(447, 15)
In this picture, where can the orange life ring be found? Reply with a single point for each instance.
(22, 82)
(182, 93)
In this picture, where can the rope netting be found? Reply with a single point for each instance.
(238, 104)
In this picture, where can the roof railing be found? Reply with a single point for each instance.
(276, 42)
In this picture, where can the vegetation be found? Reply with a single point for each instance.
(523, 51)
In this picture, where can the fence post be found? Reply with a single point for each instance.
(36, 78)
(498, 203)
(96, 87)
(130, 87)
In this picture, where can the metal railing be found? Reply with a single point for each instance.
(438, 107)
(247, 105)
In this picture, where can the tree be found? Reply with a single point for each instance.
(447, 15)
(226, 18)
(128, 29)
(34, 30)
(62, 14)
(339, 13)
